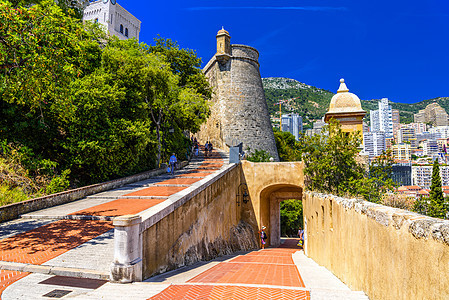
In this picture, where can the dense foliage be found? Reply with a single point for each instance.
(79, 107)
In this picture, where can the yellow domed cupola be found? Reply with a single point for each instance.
(346, 108)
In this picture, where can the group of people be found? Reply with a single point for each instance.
(196, 147)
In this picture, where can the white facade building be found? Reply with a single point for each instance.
(382, 119)
(117, 20)
(430, 147)
(374, 143)
(422, 176)
(442, 130)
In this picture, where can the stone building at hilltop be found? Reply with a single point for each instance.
(117, 20)
(434, 114)
(239, 112)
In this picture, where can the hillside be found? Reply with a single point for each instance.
(312, 103)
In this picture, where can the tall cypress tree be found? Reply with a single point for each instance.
(436, 207)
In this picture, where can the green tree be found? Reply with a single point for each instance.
(258, 156)
(330, 159)
(288, 148)
(436, 205)
(291, 217)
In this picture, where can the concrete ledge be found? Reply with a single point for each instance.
(15, 210)
(53, 270)
(156, 213)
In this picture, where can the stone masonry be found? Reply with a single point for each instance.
(239, 112)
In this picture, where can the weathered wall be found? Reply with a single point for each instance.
(239, 111)
(388, 253)
(202, 226)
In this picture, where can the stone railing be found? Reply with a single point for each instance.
(13, 211)
(389, 253)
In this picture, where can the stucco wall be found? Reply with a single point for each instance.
(388, 253)
(205, 224)
(268, 184)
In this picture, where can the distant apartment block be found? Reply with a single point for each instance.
(117, 20)
(374, 143)
(317, 128)
(407, 135)
(402, 151)
(434, 114)
(427, 135)
(419, 127)
(430, 147)
(422, 176)
(442, 130)
(382, 118)
(293, 124)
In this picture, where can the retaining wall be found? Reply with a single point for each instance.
(388, 253)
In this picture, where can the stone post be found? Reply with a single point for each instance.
(127, 264)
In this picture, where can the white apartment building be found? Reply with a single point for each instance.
(374, 143)
(407, 135)
(442, 130)
(117, 20)
(382, 119)
(430, 147)
(422, 176)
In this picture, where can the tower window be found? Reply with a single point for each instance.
(126, 31)
(121, 28)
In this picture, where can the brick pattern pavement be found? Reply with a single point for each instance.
(44, 243)
(120, 207)
(175, 292)
(9, 277)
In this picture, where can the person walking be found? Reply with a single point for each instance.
(263, 237)
(206, 148)
(301, 237)
(172, 162)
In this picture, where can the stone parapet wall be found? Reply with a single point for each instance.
(199, 223)
(15, 210)
(389, 253)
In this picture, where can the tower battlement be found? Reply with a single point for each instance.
(239, 112)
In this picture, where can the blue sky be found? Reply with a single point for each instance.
(396, 49)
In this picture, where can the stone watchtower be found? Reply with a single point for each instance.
(346, 108)
(239, 112)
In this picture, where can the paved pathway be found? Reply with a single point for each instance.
(76, 239)
(66, 251)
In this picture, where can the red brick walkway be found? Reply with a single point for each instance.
(269, 267)
(175, 292)
(44, 243)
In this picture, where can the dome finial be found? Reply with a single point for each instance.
(343, 88)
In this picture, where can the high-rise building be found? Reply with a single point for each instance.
(430, 147)
(374, 143)
(434, 114)
(419, 127)
(382, 118)
(396, 121)
(401, 173)
(293, 124)
(117, 20)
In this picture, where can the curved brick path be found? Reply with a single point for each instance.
(43, 243)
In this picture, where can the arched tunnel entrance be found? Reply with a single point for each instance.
(270, 199)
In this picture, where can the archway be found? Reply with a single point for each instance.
(270, 199)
